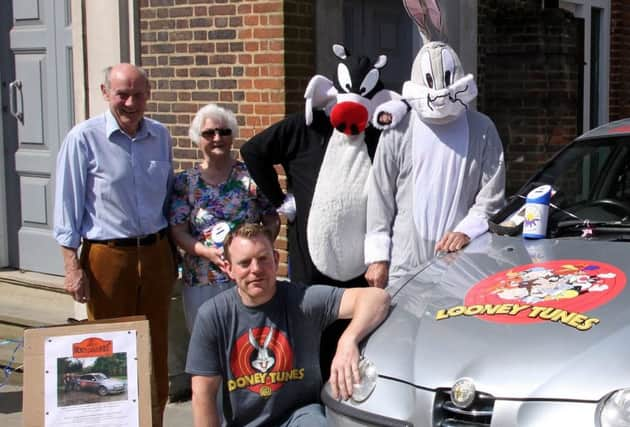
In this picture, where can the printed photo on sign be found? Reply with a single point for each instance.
(91, 379)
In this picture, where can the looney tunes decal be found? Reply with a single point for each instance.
(262, 362)
(558, 291)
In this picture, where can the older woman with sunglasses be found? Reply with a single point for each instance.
(207, 202)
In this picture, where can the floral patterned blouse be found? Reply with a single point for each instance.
(203, 206)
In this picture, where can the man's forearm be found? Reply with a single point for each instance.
(70, 259)
(204, 412)
(367, 307)
(204, 401)
(370, 308)
(75, 282)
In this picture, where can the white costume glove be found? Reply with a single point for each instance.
(287, 208)
(396, 109)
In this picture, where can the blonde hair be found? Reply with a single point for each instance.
(246, 231)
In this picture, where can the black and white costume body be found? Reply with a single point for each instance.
(438, 168)
(326, 153)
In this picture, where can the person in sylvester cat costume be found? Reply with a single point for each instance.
(326, 153)
(438, 171)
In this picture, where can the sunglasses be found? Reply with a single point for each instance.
(209, 133)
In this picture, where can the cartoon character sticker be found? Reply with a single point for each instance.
(262, 362)
(533, 215)
(559, 291)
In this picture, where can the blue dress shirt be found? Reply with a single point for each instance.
(110, 185)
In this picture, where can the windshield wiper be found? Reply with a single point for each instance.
(587, 227)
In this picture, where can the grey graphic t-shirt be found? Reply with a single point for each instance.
(267, 355)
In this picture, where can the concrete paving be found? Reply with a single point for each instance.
(177, 414)
(11, 406)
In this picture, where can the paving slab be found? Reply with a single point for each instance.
(177, 414)
(30, 306)
(11, 406)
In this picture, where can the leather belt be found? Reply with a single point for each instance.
(145, 240)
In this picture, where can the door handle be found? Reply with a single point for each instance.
(15, 87)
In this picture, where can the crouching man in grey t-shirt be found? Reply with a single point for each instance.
(260, 340)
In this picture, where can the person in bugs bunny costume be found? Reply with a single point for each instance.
(438, 171)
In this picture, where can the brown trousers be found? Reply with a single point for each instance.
(127, 281)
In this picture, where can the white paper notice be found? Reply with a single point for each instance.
(91, 380)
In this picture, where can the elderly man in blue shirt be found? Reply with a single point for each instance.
(113, 174)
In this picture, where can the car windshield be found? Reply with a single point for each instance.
(100, 376)
(590, 183)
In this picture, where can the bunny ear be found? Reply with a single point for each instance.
(427, 16)
(252, 340)
(268, 338)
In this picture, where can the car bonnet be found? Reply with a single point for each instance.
(566, 344)
(112, 382)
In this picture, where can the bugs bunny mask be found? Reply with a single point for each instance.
(439, 91)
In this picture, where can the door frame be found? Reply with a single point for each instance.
(582, 9)
(5, 77)
(4, 241)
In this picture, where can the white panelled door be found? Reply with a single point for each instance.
(41, 103)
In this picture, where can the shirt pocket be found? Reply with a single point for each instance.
(159, 169)
(157, 173)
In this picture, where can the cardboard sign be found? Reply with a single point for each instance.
(88, 374)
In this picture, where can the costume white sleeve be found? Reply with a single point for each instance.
(288, 208)
(491, 194)
(381, 202)
(397, 108)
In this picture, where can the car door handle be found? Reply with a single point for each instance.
(15, 87)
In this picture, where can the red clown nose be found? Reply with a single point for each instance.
(349, 117)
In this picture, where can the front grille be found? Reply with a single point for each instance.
(446, 414)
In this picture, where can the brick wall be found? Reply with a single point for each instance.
(251, 56)
(528, 81)
(619, 62)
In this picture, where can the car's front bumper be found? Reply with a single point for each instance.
(399, 404)
(114, 390)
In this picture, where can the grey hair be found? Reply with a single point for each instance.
(107, 72)
(216, 114)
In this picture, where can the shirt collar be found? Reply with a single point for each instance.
(111, 126)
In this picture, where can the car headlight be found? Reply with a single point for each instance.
(365, 387)
(615, 411)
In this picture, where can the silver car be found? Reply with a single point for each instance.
(100, 383)
(514, 331)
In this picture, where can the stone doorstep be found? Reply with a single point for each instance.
(33, 306)
(32, 279)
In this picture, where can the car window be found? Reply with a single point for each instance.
(578, 175)
(621, 186)
(590, 179)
